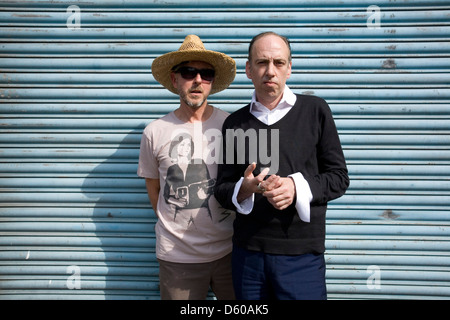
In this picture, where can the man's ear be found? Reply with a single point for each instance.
(289, 70)
(174, 79)
(247, 70)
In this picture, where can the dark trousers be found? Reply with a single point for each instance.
(261, 276)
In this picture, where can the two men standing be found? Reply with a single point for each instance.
(279, 229)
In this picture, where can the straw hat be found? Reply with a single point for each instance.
(193, 49)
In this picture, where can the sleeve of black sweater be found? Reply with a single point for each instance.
(228, 173)
(332, 180)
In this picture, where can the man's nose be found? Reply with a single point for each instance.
(270, 71)
(198, 78)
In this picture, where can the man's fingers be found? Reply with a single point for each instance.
(280, 203)
(263, 174)
(271, 183)
(249, 171)
(282, 196)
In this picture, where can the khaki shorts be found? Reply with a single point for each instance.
(191, 281)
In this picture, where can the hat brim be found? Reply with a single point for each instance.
(224, 66)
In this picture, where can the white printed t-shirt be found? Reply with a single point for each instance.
(192, 227)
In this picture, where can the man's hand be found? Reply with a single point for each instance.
(283, 195)
(280, 192)
(250, 183)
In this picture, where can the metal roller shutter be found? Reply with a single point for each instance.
(75, 221)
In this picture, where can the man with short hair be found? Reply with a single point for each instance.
(193, 232)
(279, 231)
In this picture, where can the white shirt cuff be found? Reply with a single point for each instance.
(246, 206)
(304, 196)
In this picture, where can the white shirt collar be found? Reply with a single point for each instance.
(269, 117)
(288, 100)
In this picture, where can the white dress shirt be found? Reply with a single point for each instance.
(269, 117)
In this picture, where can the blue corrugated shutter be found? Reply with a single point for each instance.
(75, 221)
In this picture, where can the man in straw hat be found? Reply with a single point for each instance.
(193, 231)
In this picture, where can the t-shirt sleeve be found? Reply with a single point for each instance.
(148, 163)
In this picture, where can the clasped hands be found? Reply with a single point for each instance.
(280, 192)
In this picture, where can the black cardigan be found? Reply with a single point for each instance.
(308, 143)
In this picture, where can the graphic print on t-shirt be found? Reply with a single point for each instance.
(188, 181)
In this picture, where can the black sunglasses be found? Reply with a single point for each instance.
(189, 73)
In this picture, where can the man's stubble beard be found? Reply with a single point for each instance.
(184, 97)
(193, 104)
